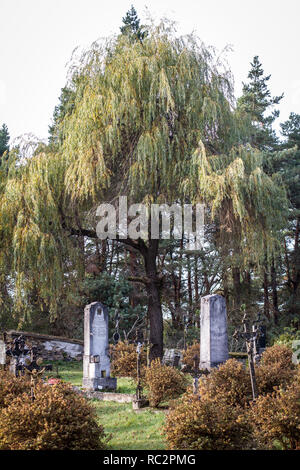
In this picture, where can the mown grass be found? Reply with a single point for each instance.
(130, 430)
(68, 371)
(71, 371)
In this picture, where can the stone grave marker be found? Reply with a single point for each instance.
(172, 357)
(296, 351)
(2, 353)
(96, 361)
(213, 332)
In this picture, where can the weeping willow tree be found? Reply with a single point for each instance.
(153, 120)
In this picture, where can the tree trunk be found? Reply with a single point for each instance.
(274, 292)
(236, 276)
(175, 313)
(266, 290)
(153, 283)
(196, 286)
(247, 282)
(133, 297)
(153, 288)
(292, 261)
(190, 291)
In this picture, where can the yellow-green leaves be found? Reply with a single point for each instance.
(137, 114)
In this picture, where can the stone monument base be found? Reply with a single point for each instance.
(141, 403)
(207, 366)
(103, 383)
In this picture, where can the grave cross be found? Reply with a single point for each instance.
(139, 342)
(23, 358)
(35, 372)
(139, 387)
(116, 335)
(197, 374)
(139, 400)
(15, 352)
(251, 346)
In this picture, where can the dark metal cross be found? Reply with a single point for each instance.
(197, 374)
(19, 349)
(139, 341)
(34, 377)
(116, 335)
(250, 336)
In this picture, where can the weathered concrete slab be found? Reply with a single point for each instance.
(107, 396)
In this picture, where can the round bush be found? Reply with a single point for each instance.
(163, 382)
(58, 419)
(278, 354)
(276, 418)
(124, 360)
(190, 354)
(230, 381)
(276, 369)
(207, 424)
(11, 387)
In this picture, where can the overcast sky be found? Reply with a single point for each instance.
(37, 38)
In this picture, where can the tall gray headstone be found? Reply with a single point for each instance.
(96, 361)
(2, 353)
(213, 332)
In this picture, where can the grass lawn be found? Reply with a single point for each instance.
(71, 371)
(130, 430)
(68, 371)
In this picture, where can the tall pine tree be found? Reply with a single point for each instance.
(132, 27)
(4, 139)
(288, 165)
(258, 104)
(256, 101)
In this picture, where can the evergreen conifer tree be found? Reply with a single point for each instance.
(131, 25)
(288, 165)
(4, 139)
(257, 101)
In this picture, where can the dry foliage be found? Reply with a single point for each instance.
(275, 369)
(163, 382)
(124, 360)
(11, 387)
(230, 381)
(276, 418)
(221, 418)
(189, 355)
(58, 419)
(207, 424)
